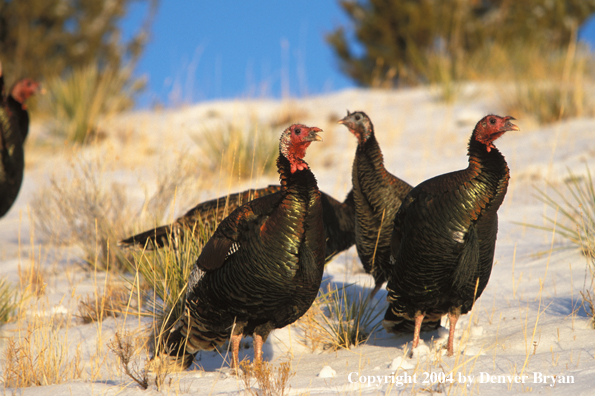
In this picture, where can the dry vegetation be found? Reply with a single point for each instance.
(114, 302)
(271, 380)
(76, 104)
(84, 208)
(126, 347)
(8, 301)
(574, 220)
(340, 318)
(39, 353)
(535, 83)
(239, 150)
(165, 272)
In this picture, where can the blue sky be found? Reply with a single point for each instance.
(210, 49)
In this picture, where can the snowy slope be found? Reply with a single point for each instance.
(528, 322)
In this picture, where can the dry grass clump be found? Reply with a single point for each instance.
(84, 208)
(589, 301)
(576, 207)
(538, 82)
(165, 272)
(554, 89)
(113, 303)
(79, 208)
(126, 347)
(240, 150)
(340, 318)
(39, 355)
(8, 301)
(271, 381)
(289, 113)
(76, 103)
(575, 204)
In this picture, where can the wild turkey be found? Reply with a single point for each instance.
(14, 127)
(339, 220)
(377, 196)
(445, 235)
(261, 269)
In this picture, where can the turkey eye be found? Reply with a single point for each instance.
(492, 121)
(357, 117)
(298, 131)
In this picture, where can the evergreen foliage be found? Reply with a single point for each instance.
(397, 40)
(44, 39)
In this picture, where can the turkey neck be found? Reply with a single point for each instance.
(297, 182)
(302, 206)
(20, 116)
(369, 160)
(490, 169)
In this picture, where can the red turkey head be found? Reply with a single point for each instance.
(24, 89)
(294, 142)
(359, 124)
(491, 127)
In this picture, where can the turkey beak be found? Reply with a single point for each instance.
(312, 136)
(344, 119)
(509, 126)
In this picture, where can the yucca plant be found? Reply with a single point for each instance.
(244, 151)
(77, 101)
(341, 318)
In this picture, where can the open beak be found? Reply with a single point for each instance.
(509, 126)
(313, 136)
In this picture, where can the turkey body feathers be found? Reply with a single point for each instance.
(338, 217)
(444, 237)
(14, 124)
(261, 269)
(377, 196)
(283, 243)
(207, 214)
(453, 220)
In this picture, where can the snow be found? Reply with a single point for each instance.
(527, 325)
(327, 372)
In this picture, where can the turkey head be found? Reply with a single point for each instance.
(294, 142)
(24, 89)
(491, 127)
(359, 124)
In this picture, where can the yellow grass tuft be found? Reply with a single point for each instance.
(271, 380)
(340, 319)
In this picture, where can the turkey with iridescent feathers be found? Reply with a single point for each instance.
(261, 269)
(338, 217)
(14, 127)
(445, 234)
(377, 196)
